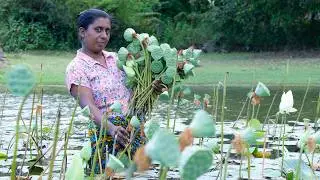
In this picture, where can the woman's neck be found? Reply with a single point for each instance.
(93, 55)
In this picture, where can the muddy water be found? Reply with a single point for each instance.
(235, 101)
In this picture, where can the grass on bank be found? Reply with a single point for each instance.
(244, 68)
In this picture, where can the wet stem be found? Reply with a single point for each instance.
(284, 118)
(14, 161)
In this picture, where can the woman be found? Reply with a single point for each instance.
(93, 76)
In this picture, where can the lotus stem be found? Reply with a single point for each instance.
(284, 132)
(222, 114)
(226, 163)
(239, 115)
(14, 161)
(163, 173)
(29, 130)
(240, 166)
(55, 140)
(41, 101)
(304, 98)
(176, 114)
(257, 111)
(269, 110)
(2, 109)
(248, 113)
(249, 163)
(171, 102)
(252, 113)
(97, 153)
(317, 113)
(297, 177)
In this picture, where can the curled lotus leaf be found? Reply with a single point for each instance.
(202, 125)
(156, 66)
(120, 64)
(187, 53)
(171, 71)
(165, 47)
(164, 96)
(163, 147)
(135, 122)
(156, 53)
(123, 54)
(129, 71)
(153, 41)
(150, 127)
(166, 79)
(196, 53)
(134, 47)
(143, 36)
(115, 164)
(171, 55)
(86, 151)
(116, 107)
(187, 68)
(131, 63)
(75, 170)
(262, 90)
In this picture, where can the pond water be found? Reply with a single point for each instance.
(236, 97)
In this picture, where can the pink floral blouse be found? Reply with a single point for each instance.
(106, 82)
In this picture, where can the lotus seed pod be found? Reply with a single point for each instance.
(196, 53)
(129, 34)
(116, 107)
(194, 162)
(20, 80)
(163, 147)
(120, 64)
(164, 96)
(129, 71)
(166, 79)
(153, 41)
(75, 170)
(202, 125)
(86, 151)
(150, 127)
(134, 47)
(115, 164)
(165, 47)
(187, 68)
(262, 90)
(135, 122)
(171, 72)
(123, 54)
(156, 66)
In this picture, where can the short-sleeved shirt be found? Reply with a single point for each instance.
(106, 82)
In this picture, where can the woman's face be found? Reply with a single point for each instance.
(97, 36)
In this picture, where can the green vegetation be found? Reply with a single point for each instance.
(244, 68)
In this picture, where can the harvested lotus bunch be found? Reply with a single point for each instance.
(151, 67)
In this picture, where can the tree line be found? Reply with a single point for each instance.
(213, 24)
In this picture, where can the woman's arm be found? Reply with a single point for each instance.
(86, 99)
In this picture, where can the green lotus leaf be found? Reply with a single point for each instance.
(171, 55)
(166, 79)
(156, 53)
(20, 80)
(202, 125)
(165, 47)
(303, 139)
(86, 151)
(262, 90)
(171, 72)
(123, 54)
(186, 91)
(135, 122)
(85, 111)
(153, 41)
(35, 170)
(129, 71)
(143, 36)
(134, 47)
(129, 34)
(164, 96)
(140, 61)
(194, 162)
(156, 66)
(197, 96)
(249, 136)
(115, 164)
(207, 96)
(116, 107)
(317, 137)
(163, 147)
(187, 68)
(255, 124)
(194, 62)
(130, 82)
(150, 127)
(75, 170)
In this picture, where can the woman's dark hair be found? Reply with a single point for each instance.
(87, 17)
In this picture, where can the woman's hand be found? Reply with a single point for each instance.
(120, 133)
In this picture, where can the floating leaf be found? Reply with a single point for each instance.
(35, 170)
(202, 125)
(3, 156)
(194, 162)
(163, 147)
(20, 80)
